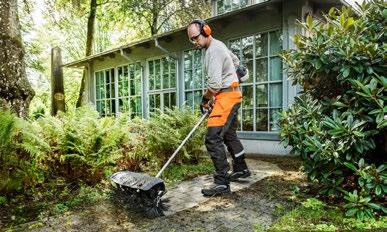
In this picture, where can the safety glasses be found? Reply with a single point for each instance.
(193, 39)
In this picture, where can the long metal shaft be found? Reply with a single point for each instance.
(182, 144)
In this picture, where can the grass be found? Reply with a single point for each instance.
(314, 215)
(179, 172)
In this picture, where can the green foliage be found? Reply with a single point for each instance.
(165, 132)
(18, 170)
(3, 200)
(338, 123)
(78, 146)
(179, 172)
(314, 215)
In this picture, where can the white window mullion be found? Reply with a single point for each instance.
(268, 82)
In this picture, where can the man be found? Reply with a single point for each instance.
(222, 88)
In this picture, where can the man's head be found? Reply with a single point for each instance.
(199, 33)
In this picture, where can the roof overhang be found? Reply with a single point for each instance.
(214, 21)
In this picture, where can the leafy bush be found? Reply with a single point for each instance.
(79, 146)
(18, 170)
(338, 123)
(167, 130)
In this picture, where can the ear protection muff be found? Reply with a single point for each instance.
(205, 29)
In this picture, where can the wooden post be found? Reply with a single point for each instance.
(57, 87)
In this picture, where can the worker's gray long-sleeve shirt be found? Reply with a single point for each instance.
(219, 65)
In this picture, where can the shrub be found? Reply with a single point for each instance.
(18, 169)
(165, 131)
(79, 146)
(338, 124)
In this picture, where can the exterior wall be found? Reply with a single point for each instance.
(278, 16)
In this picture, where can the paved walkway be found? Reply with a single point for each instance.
(187, 194)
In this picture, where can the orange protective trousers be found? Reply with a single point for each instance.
(224, 102)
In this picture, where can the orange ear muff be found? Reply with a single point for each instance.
(207, 30)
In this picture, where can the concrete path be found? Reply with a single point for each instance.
(187, 194)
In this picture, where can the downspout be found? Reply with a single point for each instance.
(123, 54)
(164, 50)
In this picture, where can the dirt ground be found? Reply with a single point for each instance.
(249, 209)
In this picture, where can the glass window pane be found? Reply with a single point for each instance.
(123, 105)
(167, 102)
(138, 72)
(113, 106)
(247, 48)
(173, 80)
(275, 43)
(102, 91)
(197, 78)
(173, 99)
(107, 77)
(112, 76)
(132, 87)
(197, 57)
(138, 106)
(247, 100)
(276, 95)
(261, 120)
(261, 95)
(99, 106)
(220, 7)
(157, 101)
(274, 117)
(103, 110)
(235, 47)
(151, 83)
(172, 65)
(113, 92)
(249, 65)
(165, 64)
(234, 4)
(244, 3)
(107, 108)
(157, 74)
(98, 91)
(120, 73)
(227, 5)
(188, 79)
(166, 81)
(151, 68)
(261, 70)
(187, 60)
(197, 99)
(107, 90)
(261, 45)
(189, 99)
(247, 120)
(275, 69)
(138, 87)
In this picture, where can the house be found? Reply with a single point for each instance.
(165, 71)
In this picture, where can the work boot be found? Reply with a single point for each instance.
(216, 189)
(240, 174)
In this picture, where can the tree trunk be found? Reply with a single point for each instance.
(16, 92)
(89, 46)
